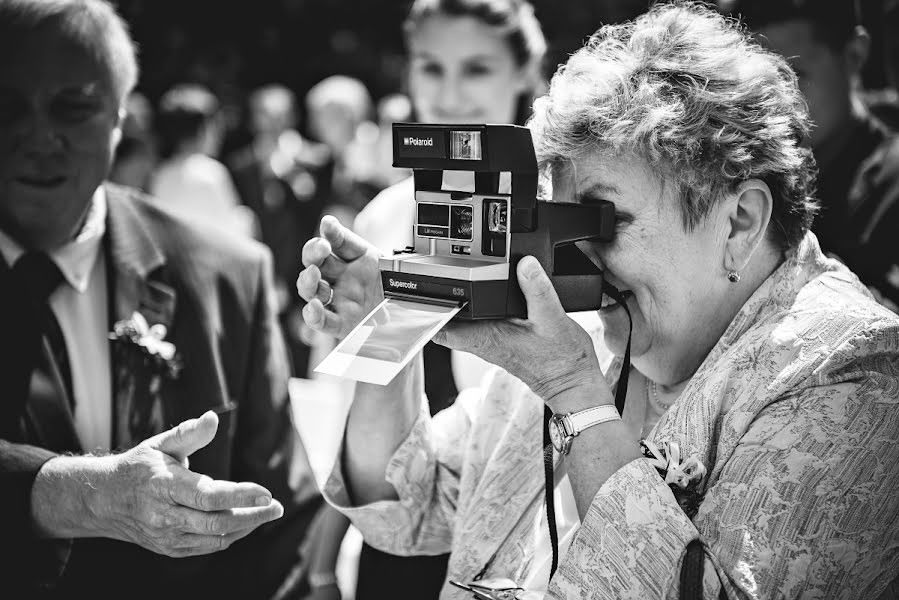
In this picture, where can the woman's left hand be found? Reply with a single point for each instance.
(548, 351)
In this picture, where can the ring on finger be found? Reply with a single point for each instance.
(330, 296)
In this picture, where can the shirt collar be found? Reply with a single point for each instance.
(77, 257)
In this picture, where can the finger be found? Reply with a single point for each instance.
(307, 282)
(325, 293)
(188, 437)
(345, 244)
(204, 493)
(224, 522)
(317, 317)
(541, 298)
(194, 544)
(318, 252)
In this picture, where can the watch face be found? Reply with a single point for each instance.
(556, 434)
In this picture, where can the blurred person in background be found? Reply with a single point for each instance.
(392, 108)
(284, 179)
(140, 115)
(884, 102)
(469, 61)
(339, 110)
(857, 155)
(136, 155)
(189, 179)
(160, 460)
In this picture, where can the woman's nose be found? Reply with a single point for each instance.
(451, 98)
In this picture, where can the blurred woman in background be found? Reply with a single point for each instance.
(469, 61)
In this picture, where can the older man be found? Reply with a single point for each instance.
(104, 493)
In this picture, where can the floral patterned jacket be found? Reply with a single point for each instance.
(794, 413)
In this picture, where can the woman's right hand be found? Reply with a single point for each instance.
(342, 262)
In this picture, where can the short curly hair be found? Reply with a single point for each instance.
(688, 90)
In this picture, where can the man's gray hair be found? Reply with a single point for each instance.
(95, 23)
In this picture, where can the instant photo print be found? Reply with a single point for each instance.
(468, 243)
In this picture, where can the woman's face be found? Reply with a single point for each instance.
(674, 281)
(463, 71)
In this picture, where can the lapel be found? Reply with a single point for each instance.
(134, 260)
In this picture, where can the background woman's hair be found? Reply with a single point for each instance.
(689, 91)
(516, 21)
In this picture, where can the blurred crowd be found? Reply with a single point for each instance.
(276, 186)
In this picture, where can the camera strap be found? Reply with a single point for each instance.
(620, 394)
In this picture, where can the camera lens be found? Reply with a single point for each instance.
(497, 216)
(460, 222)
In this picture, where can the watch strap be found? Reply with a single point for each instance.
(577, 422)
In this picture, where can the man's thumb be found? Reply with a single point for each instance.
(188, 437)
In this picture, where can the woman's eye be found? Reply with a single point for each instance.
(477, 70)
(622, 223)
(432, 69)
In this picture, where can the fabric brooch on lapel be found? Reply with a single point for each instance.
(683, 475)
(144, 363)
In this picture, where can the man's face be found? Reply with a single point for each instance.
(823, 72)
(59, 124)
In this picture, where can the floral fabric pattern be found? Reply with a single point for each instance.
(794, 414)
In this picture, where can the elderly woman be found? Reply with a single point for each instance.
(763, 376)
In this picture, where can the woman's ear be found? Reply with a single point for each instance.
(749, 213)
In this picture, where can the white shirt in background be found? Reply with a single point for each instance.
(201, 189)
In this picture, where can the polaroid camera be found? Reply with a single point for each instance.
(468, 243)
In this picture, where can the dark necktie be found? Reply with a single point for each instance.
(28, 319)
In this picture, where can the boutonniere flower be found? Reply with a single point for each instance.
(150, 341)
(682, 474)
(144, 363)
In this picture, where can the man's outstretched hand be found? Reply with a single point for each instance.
(148, 496)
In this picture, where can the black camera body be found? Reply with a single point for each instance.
(467, 244)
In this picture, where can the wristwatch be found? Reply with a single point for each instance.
(564, 428)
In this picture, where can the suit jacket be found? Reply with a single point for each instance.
(215, 297)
